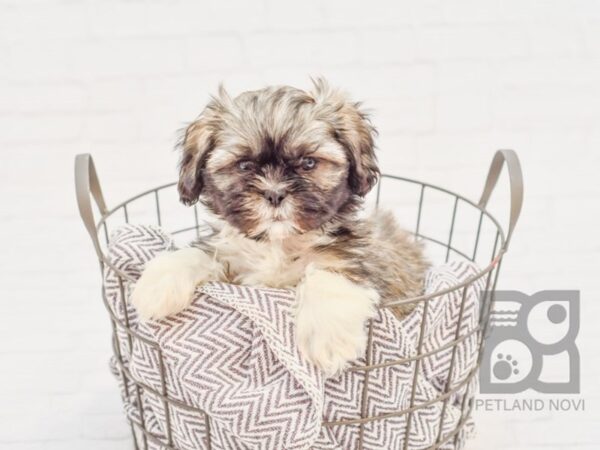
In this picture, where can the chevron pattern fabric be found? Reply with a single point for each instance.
(236, 380)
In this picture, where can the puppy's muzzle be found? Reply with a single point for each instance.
(275, 197)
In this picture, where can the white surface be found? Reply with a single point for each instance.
(448, 82)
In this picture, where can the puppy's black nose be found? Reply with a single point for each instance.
(275, 197)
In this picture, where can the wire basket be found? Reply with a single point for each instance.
(470, 233)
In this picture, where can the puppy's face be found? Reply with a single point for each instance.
(278, 161)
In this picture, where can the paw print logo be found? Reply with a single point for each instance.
(532, 339)
(505, 367)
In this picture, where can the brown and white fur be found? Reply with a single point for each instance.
(284, 171)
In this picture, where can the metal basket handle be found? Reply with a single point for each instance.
(87, 185)
(516, 186)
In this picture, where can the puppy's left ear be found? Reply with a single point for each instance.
(353, 130)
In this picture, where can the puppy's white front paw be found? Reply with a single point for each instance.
(331, 317)
(168, 282)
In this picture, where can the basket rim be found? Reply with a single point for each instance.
(481, 271)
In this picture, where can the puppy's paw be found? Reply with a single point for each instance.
(331, 319)
(168, 282)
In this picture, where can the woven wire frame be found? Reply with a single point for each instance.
(490, 266)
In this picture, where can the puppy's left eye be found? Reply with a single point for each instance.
(246, 166)
(308, 163)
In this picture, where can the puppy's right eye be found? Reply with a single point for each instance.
(246, 166)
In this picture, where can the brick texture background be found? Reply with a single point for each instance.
(448, 83)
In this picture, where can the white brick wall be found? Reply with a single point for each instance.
(448, 82)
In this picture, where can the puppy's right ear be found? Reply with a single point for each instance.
(197, 143)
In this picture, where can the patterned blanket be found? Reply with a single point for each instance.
(232, 355)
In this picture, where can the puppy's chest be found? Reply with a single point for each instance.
(264, 265)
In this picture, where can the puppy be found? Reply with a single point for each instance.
(285, 172)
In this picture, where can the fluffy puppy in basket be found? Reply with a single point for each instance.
(285, 172)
